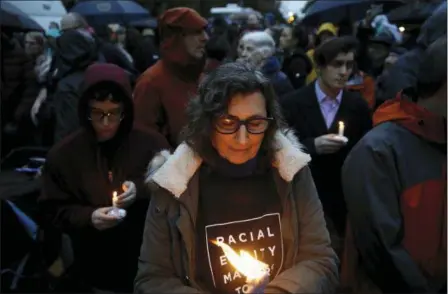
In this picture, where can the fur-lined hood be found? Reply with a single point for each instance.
(173, 171)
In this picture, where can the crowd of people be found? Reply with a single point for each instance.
(323, 155)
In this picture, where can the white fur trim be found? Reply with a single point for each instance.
(177, 170)
(173, 172)
(290, 158)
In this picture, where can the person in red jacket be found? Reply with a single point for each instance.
(164, 89)
(394, 183)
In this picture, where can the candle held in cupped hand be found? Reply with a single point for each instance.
(341, 129)
(114, 199)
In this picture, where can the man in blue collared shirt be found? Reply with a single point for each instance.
(315, 112)
(333, 74)
(329, 106)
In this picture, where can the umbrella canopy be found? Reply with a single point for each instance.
(11, 16)
(107, 12)
(144, 23)
(335, 11)
(412, 13)
(44, 12)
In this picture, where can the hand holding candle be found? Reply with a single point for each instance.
(106, 217)
(340, 135)
(116, 211)
(128, 196)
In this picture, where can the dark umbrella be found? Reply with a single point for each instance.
(107, 12)
(13, 17)
(335, 11)
(412, 13)
(144, 23)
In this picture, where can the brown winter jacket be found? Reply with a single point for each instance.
(163, 90)
(167, 258)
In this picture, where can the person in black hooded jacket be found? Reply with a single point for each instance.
(76, 50)
(111, 52)
(108, 154)
(296, 64)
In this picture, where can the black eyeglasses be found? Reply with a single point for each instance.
(113, 116)
(228, 124)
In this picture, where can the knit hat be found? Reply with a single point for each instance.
(172, 48)
(72, 21)
(182, 17)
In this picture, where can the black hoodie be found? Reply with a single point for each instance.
(78, 178)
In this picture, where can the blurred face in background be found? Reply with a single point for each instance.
(252, 21)
(246, 48)
(121, 36)
(255, 48)
(34, 45)
(287, 40)
(336, 74)
(195, 41)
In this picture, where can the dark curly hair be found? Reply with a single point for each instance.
(214, 94)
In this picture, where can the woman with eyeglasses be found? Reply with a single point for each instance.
(82, 173)
(239, 180)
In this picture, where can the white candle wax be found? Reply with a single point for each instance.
(114, 198)
(341, 129)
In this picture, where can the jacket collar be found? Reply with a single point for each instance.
(174, 171)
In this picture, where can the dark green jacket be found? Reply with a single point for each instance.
(167, 259)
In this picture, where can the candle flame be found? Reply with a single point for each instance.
(244, 263)
(114, 194)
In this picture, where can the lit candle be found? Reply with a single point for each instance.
(114, 198)
(255, 271)
(341, 129)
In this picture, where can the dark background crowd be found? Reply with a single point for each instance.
(43, 71)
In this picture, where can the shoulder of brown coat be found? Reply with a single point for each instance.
(154, 75)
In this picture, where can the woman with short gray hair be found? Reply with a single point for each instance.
(258, 49)
(239, 181)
